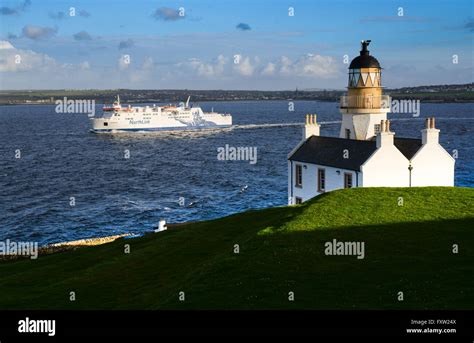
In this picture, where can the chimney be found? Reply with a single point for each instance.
(385, 136)
(311, 127)
(430, 134)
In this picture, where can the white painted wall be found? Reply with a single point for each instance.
(432, 166)
(309, 188)
(291, 198)
(361, 125)
(387, 167)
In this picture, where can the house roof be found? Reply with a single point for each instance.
(408, 146)
(329, 151)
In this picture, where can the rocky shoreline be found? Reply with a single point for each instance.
(92, 241)
(67, 246)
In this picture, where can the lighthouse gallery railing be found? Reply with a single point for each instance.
(352, 101)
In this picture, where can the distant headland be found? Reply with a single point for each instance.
(433, 93)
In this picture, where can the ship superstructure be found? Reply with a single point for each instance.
(118, 118)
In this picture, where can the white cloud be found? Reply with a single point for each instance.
(285, 65)
(85, 65)
(308, 65)
(269, 69)
(14, 60)
(316, 65)
(219, 72)
(124, 62)
(5, 45)
(244, 67)
(144, 73)
(209, 70)
(26, 69)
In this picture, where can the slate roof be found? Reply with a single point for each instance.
(329, 151)
(408, 146)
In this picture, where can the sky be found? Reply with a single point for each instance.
(229, 44)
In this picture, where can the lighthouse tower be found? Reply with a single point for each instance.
(364, 106)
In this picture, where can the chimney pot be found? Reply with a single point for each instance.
(312, 127)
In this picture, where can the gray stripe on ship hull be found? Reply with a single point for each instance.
(187, 128)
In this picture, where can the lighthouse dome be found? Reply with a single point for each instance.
(364, 60)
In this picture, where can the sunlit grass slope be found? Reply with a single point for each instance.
(408, 235)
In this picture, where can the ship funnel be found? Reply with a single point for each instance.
(187, 101)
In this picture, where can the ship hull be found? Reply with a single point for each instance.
(160, 129)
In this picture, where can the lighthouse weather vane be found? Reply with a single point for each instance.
(365, 44)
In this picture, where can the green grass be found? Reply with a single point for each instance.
(407, 248)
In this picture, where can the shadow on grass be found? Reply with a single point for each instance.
(417, 259)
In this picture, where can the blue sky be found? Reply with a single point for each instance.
(230, 44)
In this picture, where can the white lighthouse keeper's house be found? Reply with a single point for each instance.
(366, 153)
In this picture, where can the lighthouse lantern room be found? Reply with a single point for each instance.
(364, 106)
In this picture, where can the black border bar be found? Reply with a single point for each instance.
(354, 323)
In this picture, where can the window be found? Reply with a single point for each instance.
(356, 77)
(348, 133)
(299, 176)
(347, 180)
(321, 180)
(376, 128)
(298, 200)
(106, 124)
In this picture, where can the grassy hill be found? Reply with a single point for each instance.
(407, 248)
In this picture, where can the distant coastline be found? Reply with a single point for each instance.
(434, 94)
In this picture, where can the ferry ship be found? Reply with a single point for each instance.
(117, 118)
